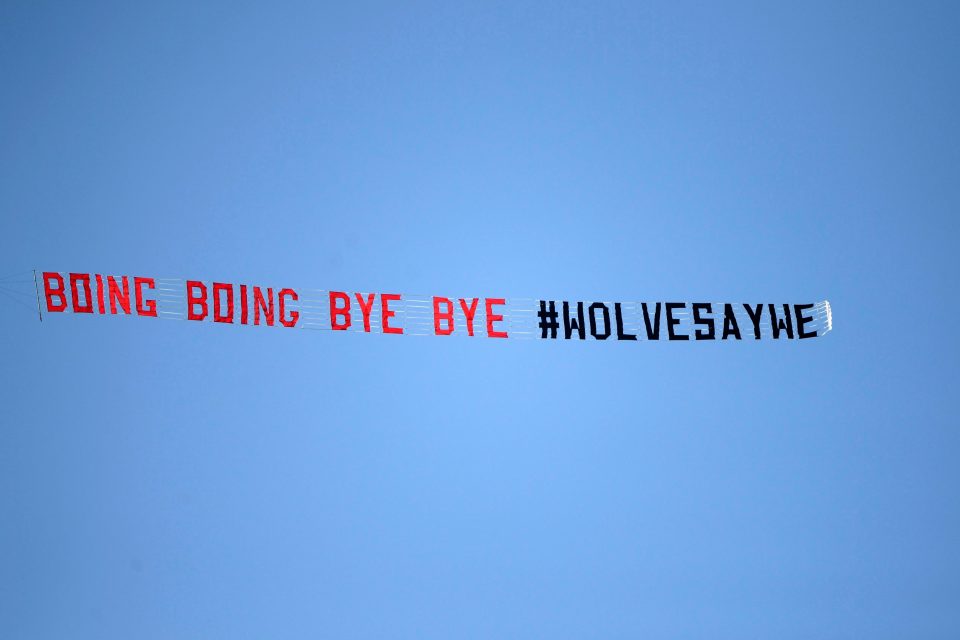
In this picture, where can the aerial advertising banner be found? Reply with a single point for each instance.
(405, 314)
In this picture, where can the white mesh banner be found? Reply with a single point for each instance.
(422, 315)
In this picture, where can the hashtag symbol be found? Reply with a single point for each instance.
(548, 319)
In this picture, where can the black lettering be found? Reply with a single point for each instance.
(570, 325)
(593, 321)
(672, 322)
(654, 333)
(730, 322)
(755, 318)
(711, 333)
(619, 315)
(548, 319)
(803, 320)
(780, 325)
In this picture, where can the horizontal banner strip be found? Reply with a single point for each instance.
(417, 314)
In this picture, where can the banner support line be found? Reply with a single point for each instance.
(36, 288)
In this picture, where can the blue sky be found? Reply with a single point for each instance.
(181, 480)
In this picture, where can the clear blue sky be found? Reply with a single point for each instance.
(177, 480)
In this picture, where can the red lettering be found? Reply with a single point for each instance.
(469, 312)
(446, 315)
(84, 278)
(243, 304)
(218, 288)
(144, 307)
(366, 306)
(267, 306)
(386, 314)
(193, 300)
(294, 315)
(117, 296)
(337, 311)
(51, 292)
(100, 294)
(491, 318)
